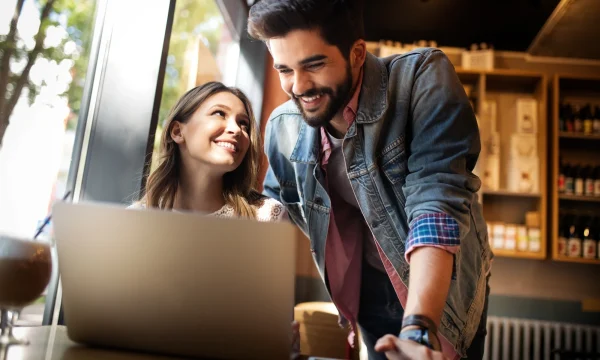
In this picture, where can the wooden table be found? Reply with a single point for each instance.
(52, 343)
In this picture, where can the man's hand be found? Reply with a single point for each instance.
(396, 349)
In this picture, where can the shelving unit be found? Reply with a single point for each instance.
(579, 198)
(505, 86)
(576, 260)
(574, 148)
(520, 254)
(510, 193)
(567, 135)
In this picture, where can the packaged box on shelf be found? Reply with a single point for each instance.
(535, 244)
(498, 232)
(523, 146)
(489, 115)
(522, 239)
(478, 59)
(523, 175)
(527, 115)
(490, 178)
(510, 237)
(532, 219)
(492, 144)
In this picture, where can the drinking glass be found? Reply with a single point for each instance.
(25, 269)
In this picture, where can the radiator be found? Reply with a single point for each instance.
(522, 339)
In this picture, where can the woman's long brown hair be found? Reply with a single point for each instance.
(238, 186)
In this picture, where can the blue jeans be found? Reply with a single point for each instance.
(381, 313)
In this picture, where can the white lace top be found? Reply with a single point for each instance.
(267, 209)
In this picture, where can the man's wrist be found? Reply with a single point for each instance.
(420, 329)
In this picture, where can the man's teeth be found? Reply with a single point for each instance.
(310, 99)
(227, 145)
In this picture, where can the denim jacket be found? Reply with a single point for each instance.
(410, 152)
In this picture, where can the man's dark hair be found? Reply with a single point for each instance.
(339, 21)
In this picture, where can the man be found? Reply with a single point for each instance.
(373, 160)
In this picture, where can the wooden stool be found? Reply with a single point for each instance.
(320, 334)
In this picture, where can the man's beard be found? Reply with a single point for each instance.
(338, 99)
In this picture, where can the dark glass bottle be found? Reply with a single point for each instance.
(577, 119)
(562, 123)
(597, 181)
(569, 118)
(578, 177)
(597, 232)
(563, 234)
(588, 185)
(588, 119)
(589, 240)
(561, 177)
(569, 180)
(574, 242)
(596, 124)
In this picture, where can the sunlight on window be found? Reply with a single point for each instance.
(40, 92)
(202, 49)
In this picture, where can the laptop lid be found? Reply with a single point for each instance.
(176, 283)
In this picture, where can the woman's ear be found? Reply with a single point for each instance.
(176, 133)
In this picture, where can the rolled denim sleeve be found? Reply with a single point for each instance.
(271, 187)
(442, 153)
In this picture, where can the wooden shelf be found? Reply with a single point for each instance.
(508, 193)
(519, 254)
(503, 78)
(499, 72)
(571, 147)
(468, 76)
(577, 260)
(570, 135)
(579, 198)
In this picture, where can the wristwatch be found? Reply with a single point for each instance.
(426, 334)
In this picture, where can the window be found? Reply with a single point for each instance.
(201, 49)
(43, 61)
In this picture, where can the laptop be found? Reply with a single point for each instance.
(176, 283)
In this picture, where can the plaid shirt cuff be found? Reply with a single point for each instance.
(435, 229)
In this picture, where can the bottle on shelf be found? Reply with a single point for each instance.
(588, 185)
(574, 242)
(562, 123)
(561, 177)
(597, 232)
(578, 177)
(596, 125)
(569, 180)
(589, 240)
(569, 118)
(577, 119)
(597, 181)
(562, 235)
(588, 119)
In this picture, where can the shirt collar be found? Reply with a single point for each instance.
(351, 108)
(349, 114)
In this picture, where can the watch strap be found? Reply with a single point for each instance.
(420, 321)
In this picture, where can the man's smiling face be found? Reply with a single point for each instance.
(313, 73)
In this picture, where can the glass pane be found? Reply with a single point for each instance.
(201, 49)
(43, 62)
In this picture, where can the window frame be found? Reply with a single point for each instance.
(110, 164)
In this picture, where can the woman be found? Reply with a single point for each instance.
(209, 158)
